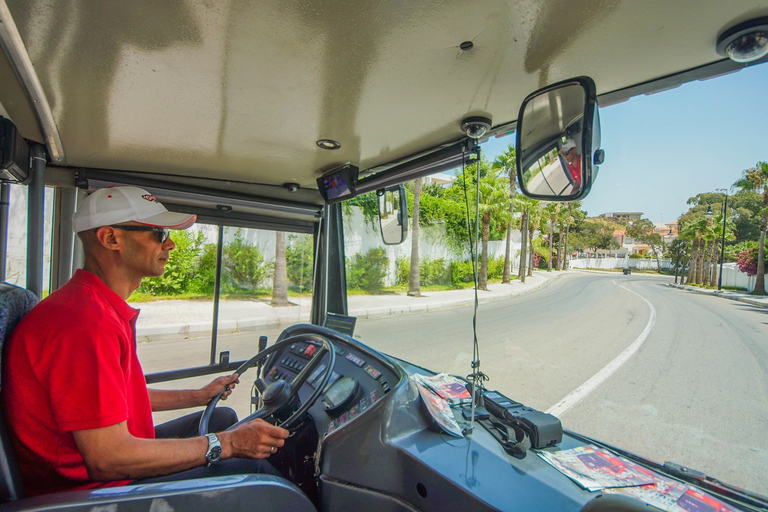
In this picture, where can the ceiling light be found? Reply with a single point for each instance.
(328, 144)
(746, 42)
(475, 127)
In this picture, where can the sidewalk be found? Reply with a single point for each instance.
(754, 300)
(172, 319)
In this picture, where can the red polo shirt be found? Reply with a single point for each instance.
(575, 168)
(70, 365)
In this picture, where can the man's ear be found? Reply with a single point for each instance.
(108, 237)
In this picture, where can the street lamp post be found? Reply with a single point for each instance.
(722, 242)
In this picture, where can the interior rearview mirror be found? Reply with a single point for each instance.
(393, 214)
(558, 141)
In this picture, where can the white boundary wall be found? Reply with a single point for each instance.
(360, 238)
(625, 262)
(732, 277)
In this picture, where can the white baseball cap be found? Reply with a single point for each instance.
(568, 145)
(113, 205)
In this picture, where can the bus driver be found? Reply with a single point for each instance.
(78, 408)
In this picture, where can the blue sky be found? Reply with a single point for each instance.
(664, 148)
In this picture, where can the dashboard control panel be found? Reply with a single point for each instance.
(357, 382)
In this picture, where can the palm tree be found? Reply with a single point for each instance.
(524, 206)
(756, 180)
(535, 215)
(710, 239)
(562, 220)
(692, 231)
(552, 212)
(505, 163)
(573, 209)
(414, 287)
(493, 203)
(700, 235)
(570, 220)
(280, 278)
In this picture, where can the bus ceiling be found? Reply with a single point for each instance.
(188, 96)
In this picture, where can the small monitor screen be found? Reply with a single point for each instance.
(340, 323)
(336, 186)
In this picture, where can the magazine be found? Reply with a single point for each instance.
(447, 386)
(594, 468)
(672, 496)
(597, 469)
(663, 494)
(439, 409)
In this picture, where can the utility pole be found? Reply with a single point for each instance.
(722, 242)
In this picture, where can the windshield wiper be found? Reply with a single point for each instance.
(733, 492)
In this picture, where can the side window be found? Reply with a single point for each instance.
(265, 285)
(16, 257)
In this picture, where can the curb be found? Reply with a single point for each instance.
(721, 294)
(197, 329)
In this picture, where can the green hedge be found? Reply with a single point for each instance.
(191, 267)
(367, 271)
(181, 270)
(462, 272)
(299, 262)
(431, 271)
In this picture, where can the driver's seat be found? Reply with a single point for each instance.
(238, 492)
(15, 302)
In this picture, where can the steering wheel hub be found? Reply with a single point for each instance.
(278, 393)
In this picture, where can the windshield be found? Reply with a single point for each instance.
(578, 311)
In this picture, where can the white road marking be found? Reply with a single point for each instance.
(585, 389)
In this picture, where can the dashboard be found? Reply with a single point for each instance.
(372, 440)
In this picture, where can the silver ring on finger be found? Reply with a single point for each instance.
(271, 449)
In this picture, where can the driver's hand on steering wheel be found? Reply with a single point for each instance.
(256, 439)
(226, 383)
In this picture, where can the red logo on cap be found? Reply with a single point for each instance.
(149, 197)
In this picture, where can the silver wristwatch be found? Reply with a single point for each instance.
(213, 455)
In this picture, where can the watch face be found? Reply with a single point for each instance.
(215, 453)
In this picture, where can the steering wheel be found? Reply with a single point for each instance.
(279, 394)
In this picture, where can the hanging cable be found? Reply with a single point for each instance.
(476, 377)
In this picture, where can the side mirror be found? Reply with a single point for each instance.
(558, 141)
(393, 214)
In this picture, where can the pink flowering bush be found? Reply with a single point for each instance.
(748, 262)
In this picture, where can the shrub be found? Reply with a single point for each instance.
(748, 262)
(402, 270)
(205, 279)
(495, 267)
(461, 272)
(243, 265)
(433, 271)
(367, 272)
(181, 268)
(300, 261)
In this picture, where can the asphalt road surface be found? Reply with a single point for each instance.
(665, 373)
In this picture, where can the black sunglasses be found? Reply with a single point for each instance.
(162, 233)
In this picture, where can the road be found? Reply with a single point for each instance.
(688, 375)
